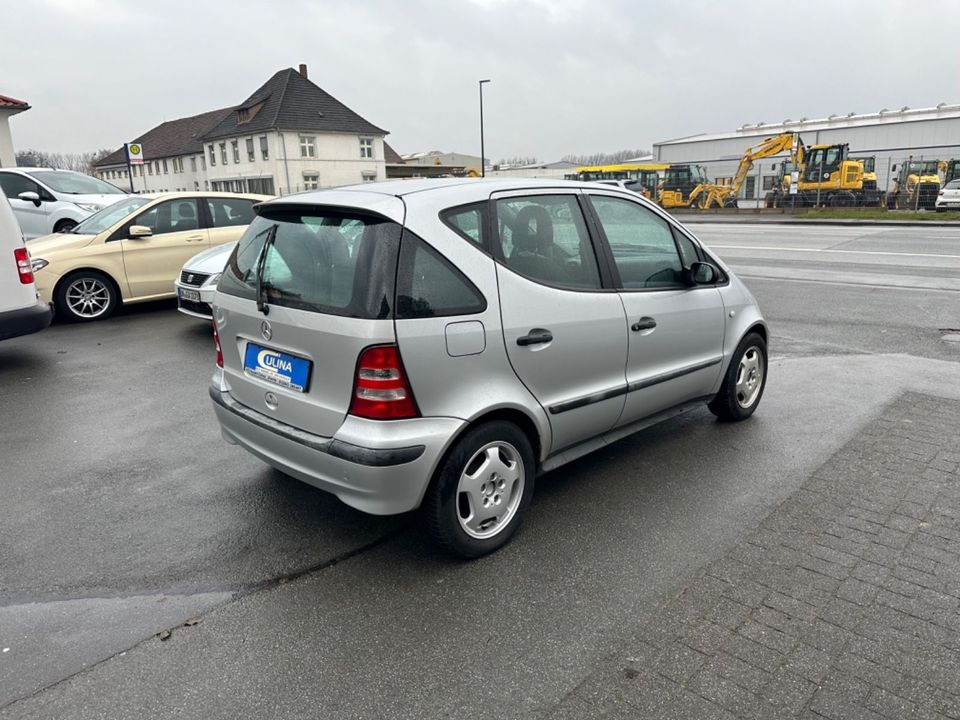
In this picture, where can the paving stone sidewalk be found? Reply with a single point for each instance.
(844, 603)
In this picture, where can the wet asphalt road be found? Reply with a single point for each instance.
(124, 513)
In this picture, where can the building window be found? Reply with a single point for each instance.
(203, 162)
(165, 171)
(768, 182)
(366, 148)
(369, 177)
(206, 184)
(196, 184)
(307, 146)
(311, 180)
(264, 151)
(150, 168)
(213, 157)
(193, 163)
(251, 156)
(223, 152)
(235, 145)
(261, 186)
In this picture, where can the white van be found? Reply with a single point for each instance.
(21, 310)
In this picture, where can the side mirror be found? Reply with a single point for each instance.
(30, 196)
(702, 273)
(139, 231)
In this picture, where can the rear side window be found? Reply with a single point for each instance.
(468, 221)
(326, 261)
(545, 238)
(429, 286)
(227, 212)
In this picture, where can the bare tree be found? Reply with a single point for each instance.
(609, 158)
(79, 162)
(517, 160)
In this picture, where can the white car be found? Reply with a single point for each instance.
(21, 310)
(51, 201)
(949, 197)
(198, 280)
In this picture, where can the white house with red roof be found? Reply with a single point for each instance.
(8, 106)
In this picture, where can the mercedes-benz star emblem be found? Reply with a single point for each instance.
(266, 330)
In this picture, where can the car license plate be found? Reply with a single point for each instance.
(277, 367)
(191, 295)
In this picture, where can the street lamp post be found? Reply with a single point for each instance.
(483, 162)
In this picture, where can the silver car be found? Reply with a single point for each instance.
(439, 344)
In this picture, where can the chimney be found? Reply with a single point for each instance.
(303, 71)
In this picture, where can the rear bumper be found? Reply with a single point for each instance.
(382, 468)
(25, 320)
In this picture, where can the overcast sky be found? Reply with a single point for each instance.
(568, 76)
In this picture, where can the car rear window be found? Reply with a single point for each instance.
(322, 260)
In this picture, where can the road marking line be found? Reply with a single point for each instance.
(827, 250)
(913, 288)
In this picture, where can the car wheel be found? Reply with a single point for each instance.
(479, 493)
(86, 296)
(744, 381)
(64, 226)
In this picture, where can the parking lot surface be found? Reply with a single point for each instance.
(126, 515)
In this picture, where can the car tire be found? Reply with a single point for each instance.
(65, 226)
(85, 296)
(479, 493)
(744, 381)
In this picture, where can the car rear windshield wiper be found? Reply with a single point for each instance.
(261, 262)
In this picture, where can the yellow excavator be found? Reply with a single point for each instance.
(726, 195)
(915, 185)
(825, 176)
(871, 193)
(684, 185)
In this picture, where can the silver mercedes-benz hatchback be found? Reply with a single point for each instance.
(439, 344)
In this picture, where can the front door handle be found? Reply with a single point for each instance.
(644, 323)
(536, 336)
(194, 238)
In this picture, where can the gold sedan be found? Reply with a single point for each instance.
(132, 251)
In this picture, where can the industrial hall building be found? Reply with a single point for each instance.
(889, 136)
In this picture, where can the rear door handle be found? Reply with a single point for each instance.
(644, 323)
(536, 336)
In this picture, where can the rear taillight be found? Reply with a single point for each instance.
(381, 390)
(216, 341)
(23, 265)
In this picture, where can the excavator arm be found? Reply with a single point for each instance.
(771, 146)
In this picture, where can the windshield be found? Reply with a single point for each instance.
(869, 164)
(923, 168)
(109, 216)
(71, 183)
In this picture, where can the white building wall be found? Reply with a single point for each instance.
(154, 179)
(336, 160)
(8, 157)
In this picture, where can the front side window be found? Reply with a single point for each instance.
(308, 146)
(325, 261)
(311, 181)
(429, 286)
(641, 242)
(545, 238)
(251, 156)
(170, 216)
(230, 212)
(264, 148)
(14, 184)
(366, 148)
(110, 216)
